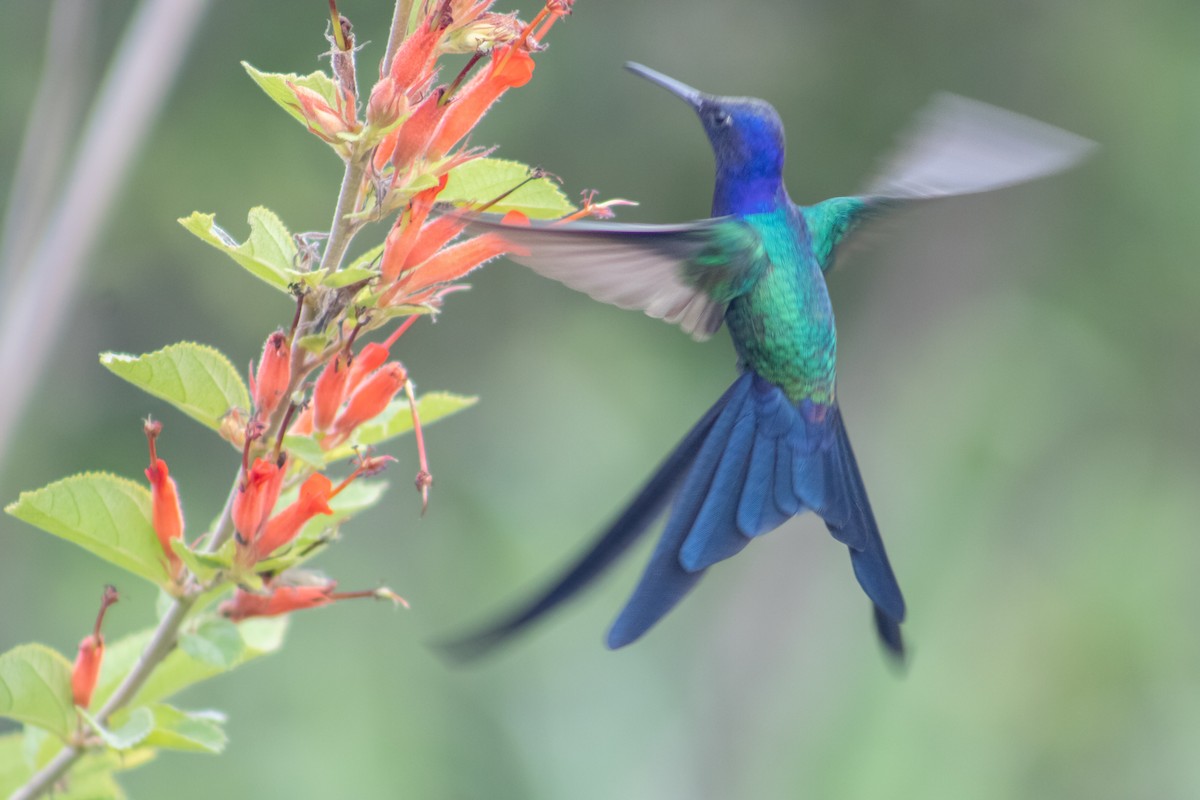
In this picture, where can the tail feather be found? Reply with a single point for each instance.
(869, 559)
(665, 580)
(634, 521)
(715, 536)
(754, 461)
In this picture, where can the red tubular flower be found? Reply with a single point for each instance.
(283, 599)
(329, 392)
(370, 358)
(279, 600)
(371, 398)
(256, 495)
(511, 66)
(90, 656)
(434, 237)
(401, 238)
(417, 132)
(454, 262)
(166, 513)
(274, 374)
(315, 494)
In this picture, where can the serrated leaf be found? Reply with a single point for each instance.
(268, 253)
(189, 731)
(195, 378)
(180, 670)
(275, 84)
(104, 514)
(35, 688)
(482, 180)
(396, 420)
(134, 727)
(215, 641)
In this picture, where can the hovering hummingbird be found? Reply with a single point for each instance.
(775, 443)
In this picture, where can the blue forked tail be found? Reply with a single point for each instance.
(751, 463)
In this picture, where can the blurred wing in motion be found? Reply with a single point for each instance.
(956, 146)
(684, 274)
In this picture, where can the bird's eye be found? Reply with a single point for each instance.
(721, 119)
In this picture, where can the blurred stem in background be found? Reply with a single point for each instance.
(44, 246)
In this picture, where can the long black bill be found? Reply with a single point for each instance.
(693, 97)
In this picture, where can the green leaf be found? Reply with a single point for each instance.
(133, 729)
(396, 420)
(204, 566)
(190, 731)
(14, 767)
(268, 253)
(275, 84)
(368, 260)
(484, 179)
(180, 670)
(215, 641)
(104, 514)
(90, 779)
(35, 688)
(347, 276)
(198, 380)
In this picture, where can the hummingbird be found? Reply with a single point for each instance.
(775, 443)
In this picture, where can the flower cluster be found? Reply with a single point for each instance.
(412, 133)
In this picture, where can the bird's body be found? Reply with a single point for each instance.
(783, 326)
(775, 443)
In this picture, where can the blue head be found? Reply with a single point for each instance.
(747, 140)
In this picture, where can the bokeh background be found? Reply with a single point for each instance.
(1018, 370)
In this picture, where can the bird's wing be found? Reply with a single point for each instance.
(685, 274)
(956, 146)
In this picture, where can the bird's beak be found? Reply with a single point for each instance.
(681, 90)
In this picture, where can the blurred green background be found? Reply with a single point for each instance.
(1019, 371)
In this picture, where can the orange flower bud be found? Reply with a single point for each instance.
(372, 397)
(274, 374)
(256, 495)
(90, 656)
(322, 119)
(166, 513)
(386, 104)
(329, 392)
(315, 493)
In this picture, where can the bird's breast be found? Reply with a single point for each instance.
(783, 328)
